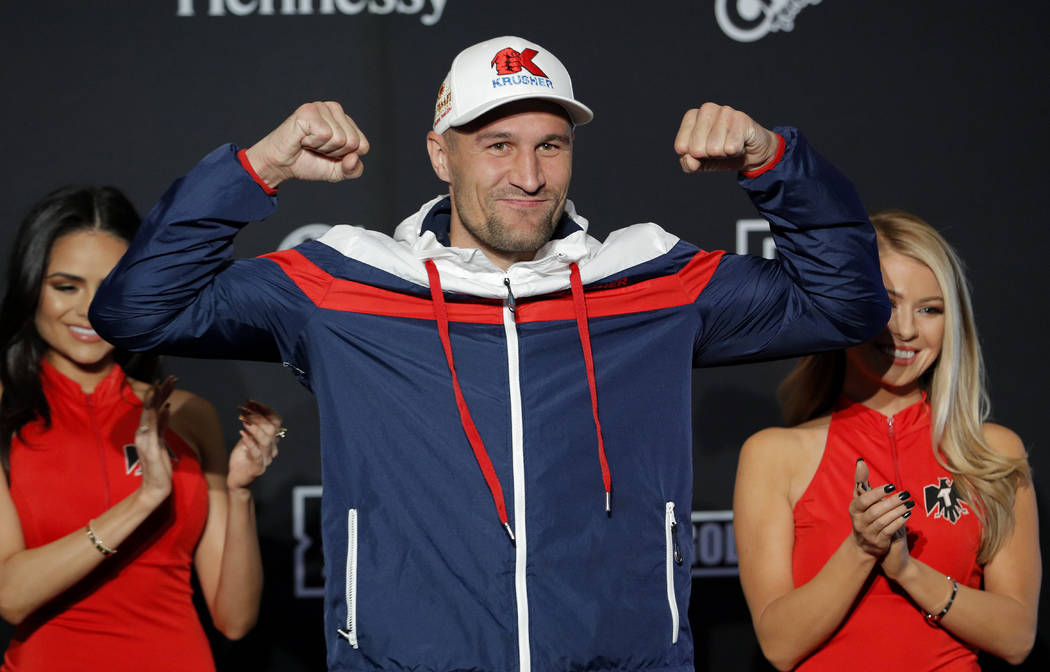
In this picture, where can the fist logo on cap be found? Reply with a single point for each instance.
(508, 61)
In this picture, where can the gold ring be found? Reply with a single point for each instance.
(281, 433)
(143, 428)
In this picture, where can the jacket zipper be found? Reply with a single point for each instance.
(350, 634)
(521, 594)
(674, 557)
(101, 449)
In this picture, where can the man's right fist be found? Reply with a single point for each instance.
(319, 142)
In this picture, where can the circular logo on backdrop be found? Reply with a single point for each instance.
(750, 20)
(303, 234)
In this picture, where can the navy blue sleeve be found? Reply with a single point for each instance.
(178, 289)
(824, 290)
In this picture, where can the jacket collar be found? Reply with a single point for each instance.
(427, 234)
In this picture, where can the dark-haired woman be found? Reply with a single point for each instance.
(891, 528)
(109, 500)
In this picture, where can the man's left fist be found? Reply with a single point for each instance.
(717, 137)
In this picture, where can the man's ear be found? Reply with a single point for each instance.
(437, 148)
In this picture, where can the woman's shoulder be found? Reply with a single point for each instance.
(784, 458)
(1004, 440)
(802, 436)
(787, 449)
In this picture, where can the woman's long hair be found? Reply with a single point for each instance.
(65, 211)
(954, 384)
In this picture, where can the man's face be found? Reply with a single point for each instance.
(508, 175)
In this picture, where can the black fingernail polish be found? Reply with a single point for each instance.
(860, 459)
(909, 503)
(906, 514)
(889, 488)
(904, 495)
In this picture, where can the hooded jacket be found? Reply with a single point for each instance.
(462, 405)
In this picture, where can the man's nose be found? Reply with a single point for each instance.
(527, 173)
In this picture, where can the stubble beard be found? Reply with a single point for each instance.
(498, 236)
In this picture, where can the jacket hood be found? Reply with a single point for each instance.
(423, 236)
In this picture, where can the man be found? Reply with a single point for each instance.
(505, 401)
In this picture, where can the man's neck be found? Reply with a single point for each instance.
(459, 236)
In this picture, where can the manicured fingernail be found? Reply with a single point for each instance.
(889, 488)
(904, 495)
(906, 514)
(860, 459)
(909, 503)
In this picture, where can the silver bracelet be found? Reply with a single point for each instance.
(106, 551)
(936, 620)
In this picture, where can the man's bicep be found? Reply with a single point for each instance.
(753, 310)
(249, 310)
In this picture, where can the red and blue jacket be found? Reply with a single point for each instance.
(506, 455)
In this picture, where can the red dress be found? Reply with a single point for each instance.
(135, 611)
(885, 630)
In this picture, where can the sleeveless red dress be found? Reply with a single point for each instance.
(135, 611)
(885, 629)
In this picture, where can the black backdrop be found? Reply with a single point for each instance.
(934, 107)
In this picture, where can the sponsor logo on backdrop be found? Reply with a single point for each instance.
(752, 237)
(429, 11)
(943, 502)
(302, 234)
(714, 547)
(750, 20)
(306, 526)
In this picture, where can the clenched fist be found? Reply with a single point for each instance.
(717, 137)
(318, 142)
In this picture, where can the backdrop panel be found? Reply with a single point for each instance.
(933, 107)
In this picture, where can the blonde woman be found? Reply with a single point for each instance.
(865, 530)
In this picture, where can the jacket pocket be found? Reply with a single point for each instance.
(674, 557)
(350, 633)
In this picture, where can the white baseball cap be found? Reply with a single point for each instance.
(499, 71)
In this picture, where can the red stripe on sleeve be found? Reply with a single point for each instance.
(697, 273)
(242, 156)
(769, 164)
(306, 275)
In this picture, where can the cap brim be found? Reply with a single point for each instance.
(579, 113)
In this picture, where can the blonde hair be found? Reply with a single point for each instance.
(954, 384)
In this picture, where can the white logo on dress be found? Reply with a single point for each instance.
(750, 20)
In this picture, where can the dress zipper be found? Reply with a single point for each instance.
(896, 456)
(98, 442)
